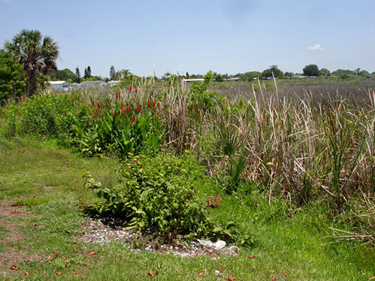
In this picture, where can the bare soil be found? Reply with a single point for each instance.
(13, 253)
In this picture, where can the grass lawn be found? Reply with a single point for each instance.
(40, 227)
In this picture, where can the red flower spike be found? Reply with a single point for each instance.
(127, 108)
(117, 95)
(130, 88)
(148, 103)
(136, 90)
(115, 114)
(98, 104)
(153, 103)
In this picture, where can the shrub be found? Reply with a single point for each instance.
(155, 195)
(47, 115)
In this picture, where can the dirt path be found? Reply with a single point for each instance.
(12, 250)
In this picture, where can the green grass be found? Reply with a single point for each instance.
(46, 181)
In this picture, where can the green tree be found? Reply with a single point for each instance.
(123, 74)
(36, 54)
(219, 78)
(87, 72)
(78, 75)
(311, 70)
(324, 72)
(63, 75)
(11, 77)
(273, 70)
(112, 73)
(288, 75)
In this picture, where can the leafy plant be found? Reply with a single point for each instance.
(47, 115)
(202, 98)
(155, 195)
(120, 128)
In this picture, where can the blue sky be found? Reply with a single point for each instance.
(226, 36)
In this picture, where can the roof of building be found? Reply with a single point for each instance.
(92, 82)
(57, 82)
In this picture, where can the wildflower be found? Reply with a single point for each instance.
(139, 108)
(148, 103)
(117, 95)
(127, 108)
(216, 206)
(208, 202)
(115, 114)
(136, 90)
(123, 104)
(153, 103)
(130, 88)
(102, 120)
(131, 118)
(110, 100)
(98, 104)
(123, 112)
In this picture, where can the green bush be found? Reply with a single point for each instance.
(202, 98)
(155, 195)
(47, 115)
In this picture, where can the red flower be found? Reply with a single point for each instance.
(98, 104)
(127, 108)
(123, 104)
(123, 112)
(139, 107)
(136, 90)
(117, 95)
(115, 114)
(102, 120)
(148, 103)
(153, 103)
(131, 118)
(130, 88)
(208, 202)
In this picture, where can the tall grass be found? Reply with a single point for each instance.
(297, 145)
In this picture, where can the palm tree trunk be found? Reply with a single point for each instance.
(31, 85)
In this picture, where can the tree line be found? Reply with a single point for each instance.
(28, 60)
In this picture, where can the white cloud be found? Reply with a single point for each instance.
(317, 47)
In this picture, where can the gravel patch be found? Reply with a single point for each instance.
(103, 231)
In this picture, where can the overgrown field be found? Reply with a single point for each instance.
(294, 172)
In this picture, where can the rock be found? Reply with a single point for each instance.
(219, 245)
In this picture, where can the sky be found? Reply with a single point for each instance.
(226, 36)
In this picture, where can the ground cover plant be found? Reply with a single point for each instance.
(295, 174)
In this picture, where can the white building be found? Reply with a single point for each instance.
(59, 85)
(112, 83)
(88, 84)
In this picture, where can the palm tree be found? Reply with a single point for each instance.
(37, 55)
